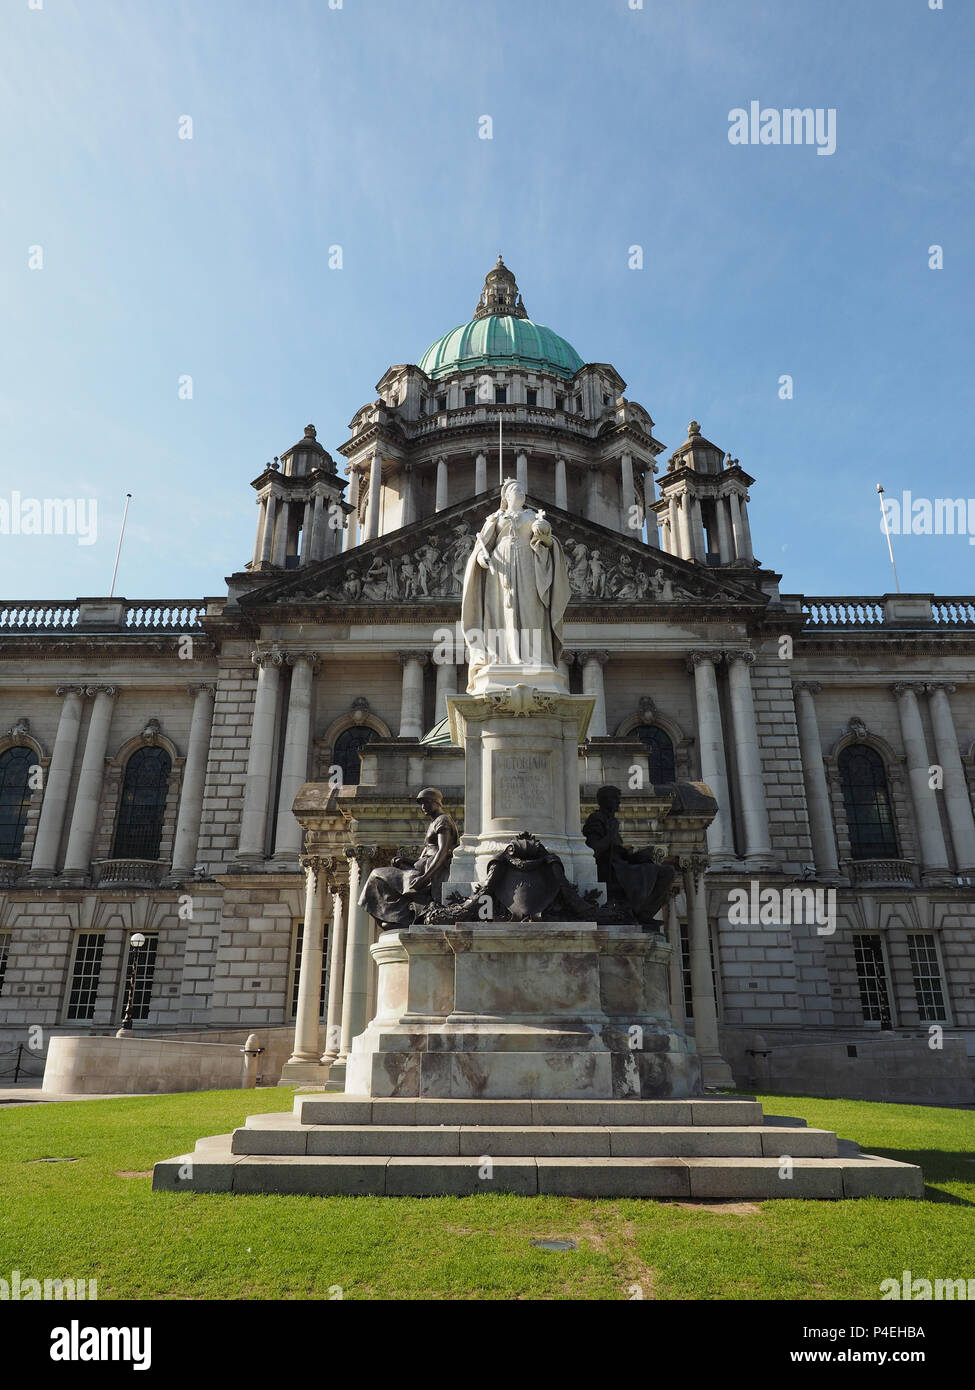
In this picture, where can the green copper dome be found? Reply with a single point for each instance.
(500, 342)
(500, 335)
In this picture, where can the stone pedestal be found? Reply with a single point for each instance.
(521, 748)
(522, 1011)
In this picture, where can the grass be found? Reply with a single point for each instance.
(96, 1217)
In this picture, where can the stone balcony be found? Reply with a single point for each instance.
(882, 873)
(127, 873)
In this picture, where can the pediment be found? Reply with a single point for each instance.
(424, 564)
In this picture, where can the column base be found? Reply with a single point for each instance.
(937, 878)
(764, 862)
(247, 864)
(716, 1073)
(303, 1073)
(286, 863)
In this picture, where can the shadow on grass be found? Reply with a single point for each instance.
(937, 1165)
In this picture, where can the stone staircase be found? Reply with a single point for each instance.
(710, 1149)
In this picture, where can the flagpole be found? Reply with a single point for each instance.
(125, 512)
(890, 548)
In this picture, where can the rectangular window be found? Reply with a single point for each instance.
(423, 405)
(299, 932)
(145, 969)
(441, 402)
(685, 970)
(470, 396)
(868, 952)
(559, 402)
(578, 405)
(4, 954)
(928, 984)
(84, 975)
(531, 396)
(500, 395)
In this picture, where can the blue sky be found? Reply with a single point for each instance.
(359, 127)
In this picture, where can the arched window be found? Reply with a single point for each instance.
(143, 804)
(348, 746)
(869, 813)
(660, 750)
(15, 766)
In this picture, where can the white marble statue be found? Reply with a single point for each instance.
(516, 588)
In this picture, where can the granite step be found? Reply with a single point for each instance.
(318, 1109)
(215, 1168)
(273, 1134)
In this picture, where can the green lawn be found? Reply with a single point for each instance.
(97, 1217)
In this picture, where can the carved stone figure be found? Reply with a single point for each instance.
(394, 895)
(407, 578)
(379, 582)
(516, 588)
(631, 876)
(578, 561)
(352, 584)
(597, 575)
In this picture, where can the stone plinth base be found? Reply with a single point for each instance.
(522, 1011)
(521, 757)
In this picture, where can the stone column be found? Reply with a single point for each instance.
(55, 800)
(627, 494)
(375, 489)
(352, 520)
(88, 796)
(357, 961)
(480, 473)
(304, 1063)
(685, 523)
(696, 529)
(677, 1010)
(257, 788)
(279, 546)
(521, 470)
(675, 536)
(649, 498)
(821, 826)
(957, 800)
(934, 854)
(742, 547)
(267, 535)
(306, 531)
(726, 549)
(714, 1069)
(294, 767)
(446, 685)
(561, 488)
(592, 684)
(751, 780)
(441, 497)
(317, 527)
(714, 768)
(746, 528)
(194, 775)
(259, 536)
(336, 975)
(411, 705)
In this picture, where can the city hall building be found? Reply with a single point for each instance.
(806, 763)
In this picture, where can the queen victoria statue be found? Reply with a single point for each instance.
(516, 588)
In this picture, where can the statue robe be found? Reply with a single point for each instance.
(514, 616)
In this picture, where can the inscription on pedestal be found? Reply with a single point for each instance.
(521, 782)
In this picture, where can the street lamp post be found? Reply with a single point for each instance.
(136, 943)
